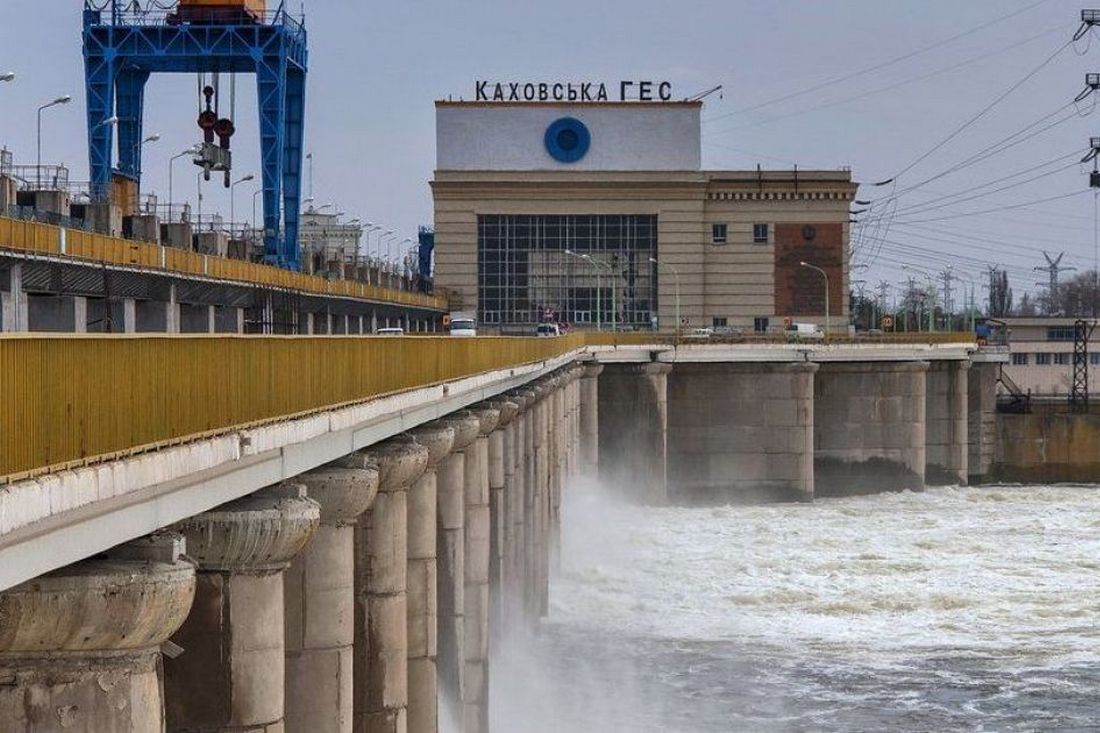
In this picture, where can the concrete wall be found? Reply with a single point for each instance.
(982, 425)
(633, 430)
(1049, 445)
(741, 432)
(869, 427)
(946, 424)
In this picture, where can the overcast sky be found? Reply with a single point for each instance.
(375, 69)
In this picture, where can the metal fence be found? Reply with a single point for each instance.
(65, 400)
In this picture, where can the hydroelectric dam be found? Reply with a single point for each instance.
(226, 533)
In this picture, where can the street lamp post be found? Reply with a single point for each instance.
(825, 275)
(676, 275)
(60, 100)
(599, 289)
(233, 200)
(254, 195)
(171, 162)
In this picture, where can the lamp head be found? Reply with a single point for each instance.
(7, 76)
(63, 99)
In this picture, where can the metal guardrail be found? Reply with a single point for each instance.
(28, 236)
(70, 400)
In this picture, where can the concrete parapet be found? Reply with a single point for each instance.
(947, 446)
(381, 583)
(80, 647)
(632, 427)
(741, 432)
(320, 604)
(869, 427)
(231, 675)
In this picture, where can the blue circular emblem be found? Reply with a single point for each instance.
(567, 140)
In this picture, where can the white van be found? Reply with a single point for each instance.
(463, 326)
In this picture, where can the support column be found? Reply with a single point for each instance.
(869, 427)
(381, 670)
(129, 315)
(516, 505)
(230, 676)
(741, 432)
(500, 472)
(476, 613)
(633, 428)
(589, 419)
(319, 594)
(80, 646)
(982, 417)
(543, 497)
(946, 412)
(423, 605)
(450, 550)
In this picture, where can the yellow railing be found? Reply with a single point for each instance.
(28, 236)
(68, 399)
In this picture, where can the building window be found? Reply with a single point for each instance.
(760, 233)
(1094, 359)
(718, 322)
(1061, 359)
(760, 324)
(526, 277)
(1019, 360)
(718, 233)
(1060, 333)
(1042, 359)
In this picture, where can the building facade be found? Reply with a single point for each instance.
(328, 245)
(599, 213)
(1041, 356)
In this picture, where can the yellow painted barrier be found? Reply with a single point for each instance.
(66, 399)
(28, 236)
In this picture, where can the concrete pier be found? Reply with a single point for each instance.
(80, 647)
(741, 432)
(230, 676)
(451, 562)
(633, 428)
(320, 604)
(423, 582)
(947, 449)
(589, 418)
(500, 471)
(381, 670)
(981, 397)
(869, 427)
(516, 506)
(476, 601)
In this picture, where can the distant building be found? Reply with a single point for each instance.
(1041, 356)
(552, 212)
(328, 245)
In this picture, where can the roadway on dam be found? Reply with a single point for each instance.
(951, 609)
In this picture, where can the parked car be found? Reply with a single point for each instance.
(390, 332)
(700, 334)
(546, 330)
(805, 332)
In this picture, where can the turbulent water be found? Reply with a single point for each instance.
(952, 609)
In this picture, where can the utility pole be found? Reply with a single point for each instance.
(880, 301)
(1053, 269)
(948, 304)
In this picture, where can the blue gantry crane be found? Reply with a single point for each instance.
(125, 41)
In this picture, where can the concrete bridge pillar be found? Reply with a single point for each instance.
(539, 545)
(501, 471)
(741, 432)
(947, 451)
(381, 669)
(589, 418)
(319, 590)
(451, 559)
(516, 501)
(476, 613)
(230, 676)
(423, 604)
(869, 427)
(633, 428)
(80, 647)
(981, 418)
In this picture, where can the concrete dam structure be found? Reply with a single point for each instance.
(347, 559)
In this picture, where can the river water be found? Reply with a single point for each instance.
(951, 609)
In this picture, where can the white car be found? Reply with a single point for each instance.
(390, 332)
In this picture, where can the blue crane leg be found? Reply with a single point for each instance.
(292, 164)
(271, 95)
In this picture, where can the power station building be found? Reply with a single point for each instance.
(600, 212)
